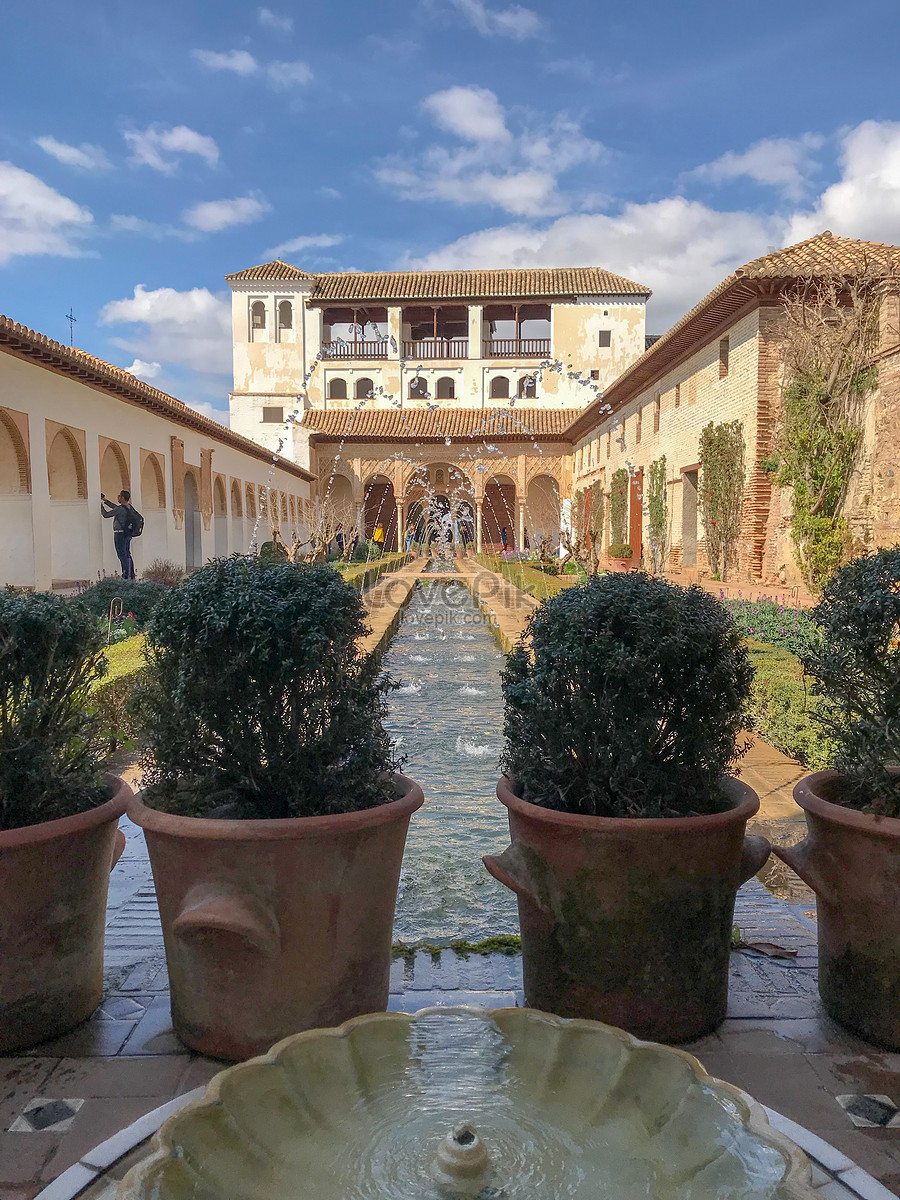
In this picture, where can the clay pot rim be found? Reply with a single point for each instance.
(264, 829)
(745, 805)
(807, 796)
(46, 831)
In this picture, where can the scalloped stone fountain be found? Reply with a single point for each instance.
(454, 1103)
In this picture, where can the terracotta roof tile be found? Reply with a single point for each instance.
(453, 285)
(270, 270)
(824, 254)
(35, 347)
(418, 424)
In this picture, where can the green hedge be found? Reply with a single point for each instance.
(363, 575)
(528, 579)
(781, 707)
(112, 694)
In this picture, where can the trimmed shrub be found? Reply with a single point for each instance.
(50, 747)
(138, 599)
(257, 697)
(856, 670)
(112, 696)
(625, 698)
(164, 572)
(619, 550)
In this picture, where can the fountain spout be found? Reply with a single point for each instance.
(462, 1161)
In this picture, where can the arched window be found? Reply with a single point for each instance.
(65, 466)
(285, 314)
(527, 387)
(284, 507)
(418, 388)
(499, 388)
(219, 498)
(446, 388)
(337, 389)
(251, 501)
(257, 319)
(236, 506)
(15, 475)
(364, 389)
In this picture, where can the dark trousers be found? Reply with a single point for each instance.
(123, 550)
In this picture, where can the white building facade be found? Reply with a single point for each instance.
(73, 426)
(409, 339)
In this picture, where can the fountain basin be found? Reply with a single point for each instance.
(563, 1108)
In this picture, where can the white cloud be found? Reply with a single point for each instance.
(513, 22)
(212, 216)
(678, 248)
(330, 193)
(297, 244)
(190, 329)
(472, 113)
(865, 202)
(145, 370)
(36, 219)
(84, 157)
(126, 223)
(782, 163)
(273, 20)
(241, 62)
(287, 75)
(516, 172)
(159, 148)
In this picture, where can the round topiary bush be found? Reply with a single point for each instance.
(257, 697)
(625, 699)
(50, 747)
(855, 667)
(139, 599)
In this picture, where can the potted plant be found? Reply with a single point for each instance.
(623, 708)
(273, 810)
(58, 819)
(619, 556)
(851, 853)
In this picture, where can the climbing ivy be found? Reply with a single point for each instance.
(721, 491)
(658, 515)
(618, 506)
(830, 336)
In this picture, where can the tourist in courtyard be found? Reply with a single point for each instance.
(409, 539)
(378, 537)
(504, 540)
(125, 521)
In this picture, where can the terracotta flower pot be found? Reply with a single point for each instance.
(851, 860)
(620, 565)
(54, 881)
(274, 926)
(628, 920)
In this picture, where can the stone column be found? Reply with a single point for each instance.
(395, 331)
(520, 505)
(476, 312)
(41, 516)
(478, 504)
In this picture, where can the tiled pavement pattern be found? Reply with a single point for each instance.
(126, 1060)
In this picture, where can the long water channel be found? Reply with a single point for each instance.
(447, 718)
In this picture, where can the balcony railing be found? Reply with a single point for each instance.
(437, 348)
(360, 349)
(516, 347)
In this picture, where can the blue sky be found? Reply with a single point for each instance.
(148, 150)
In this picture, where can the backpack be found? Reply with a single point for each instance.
(135, 524)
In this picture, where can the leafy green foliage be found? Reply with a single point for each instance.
(618, 507)
(139, 599)
(856, 668)
(111, 697)
(658, 515)
(768, 621)
(781, 709)
(50, 655)
(626, 700)
(256, 695)
(619, 550)
(721, 492)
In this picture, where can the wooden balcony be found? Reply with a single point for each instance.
(516, 348)
(369, 349)
(436, 348)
